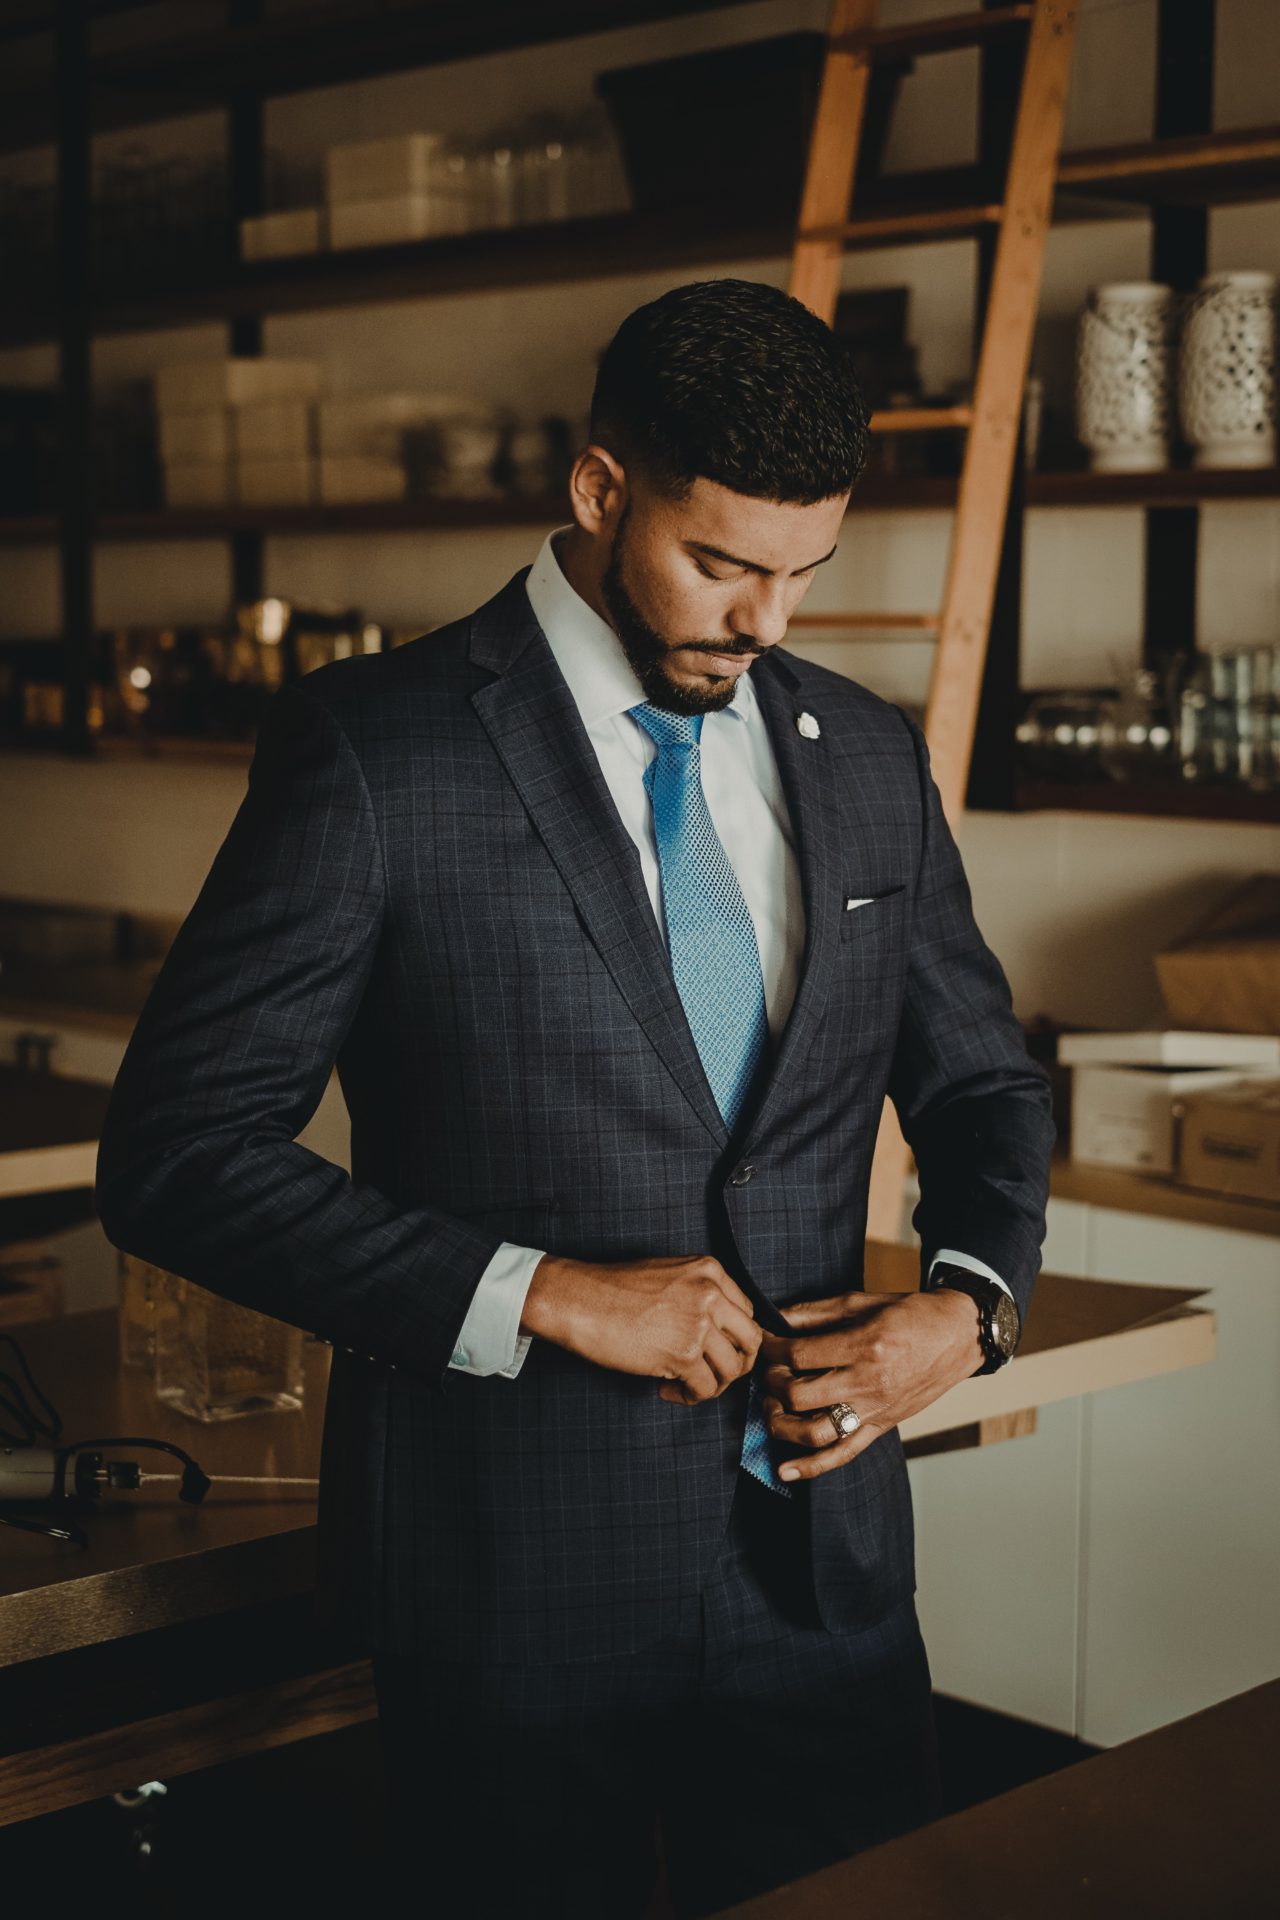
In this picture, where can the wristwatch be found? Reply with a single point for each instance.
(999, 1322)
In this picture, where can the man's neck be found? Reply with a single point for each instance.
(576, 559)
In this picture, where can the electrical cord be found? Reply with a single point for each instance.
(42, 1476)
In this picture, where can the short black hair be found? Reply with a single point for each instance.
(736, 382)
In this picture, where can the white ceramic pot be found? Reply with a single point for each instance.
(1124, 376)
(1227, 371)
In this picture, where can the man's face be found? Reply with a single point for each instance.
(697, 589)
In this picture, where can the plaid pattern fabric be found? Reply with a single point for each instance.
(428, 883)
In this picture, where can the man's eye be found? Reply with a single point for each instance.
(707, 573)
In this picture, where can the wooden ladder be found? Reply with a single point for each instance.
(827, 225)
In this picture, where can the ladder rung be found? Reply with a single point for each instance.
(943, 35)
(919, 419)
(877, 622)
(882, 229)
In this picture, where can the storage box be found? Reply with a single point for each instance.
(386, 221)
(1225, 972)
(275, 429)
(348, 478)
(373, 169)
(1230, 1141)
(1171, 1048)
(290, 482)
(233, 383)
(194, 434)
(1124, 1116)
(198, 483)
(282, 236)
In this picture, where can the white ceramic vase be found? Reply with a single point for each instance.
(1124, 376)
(1227, 371)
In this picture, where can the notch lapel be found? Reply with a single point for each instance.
(533, 722)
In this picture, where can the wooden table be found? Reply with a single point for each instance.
(1180, 1823)
(183, 1636)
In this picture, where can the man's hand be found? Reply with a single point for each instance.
(684, 1321)
(886, 1354)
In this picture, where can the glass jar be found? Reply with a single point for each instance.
(216, 1359)
(141, 1290)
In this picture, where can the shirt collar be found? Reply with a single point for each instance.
(587, 650)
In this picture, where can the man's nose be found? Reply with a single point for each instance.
(762, 616)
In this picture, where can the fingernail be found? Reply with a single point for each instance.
(788, 1473)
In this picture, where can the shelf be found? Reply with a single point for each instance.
(1194, 169)
(875, 493)
(312, 46)
(1172, 800)
(1153, 1193)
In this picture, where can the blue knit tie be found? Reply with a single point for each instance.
(714, 958)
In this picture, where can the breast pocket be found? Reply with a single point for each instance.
(870, 914)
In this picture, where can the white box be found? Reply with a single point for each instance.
(369, 169)
(197, 434)
(233, 383)
(276, 483)
(198, 483)
(1123, 1116)
(349, 478)
(374, 423)
(282, 236)
(1171, 1048)
(385, 221)
(275, 429)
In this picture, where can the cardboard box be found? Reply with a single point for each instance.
(198, 483)
(290, 482)
(1230, 1141)
(370, 169)
(230, 382)
(276, 430)
(282, 236)
(374, 424)
(194, 434)
(1124, 1116)
(1224, 973)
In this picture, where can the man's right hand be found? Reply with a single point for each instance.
(682, 1320)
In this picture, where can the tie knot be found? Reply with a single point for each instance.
(668, 729)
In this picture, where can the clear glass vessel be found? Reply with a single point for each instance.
(215, 1359)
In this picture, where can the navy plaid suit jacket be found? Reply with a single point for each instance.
(428, 883)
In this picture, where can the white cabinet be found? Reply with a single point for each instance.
(1120, 1567)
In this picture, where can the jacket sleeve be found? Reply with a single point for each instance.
(199, 1169)
(973, 1105)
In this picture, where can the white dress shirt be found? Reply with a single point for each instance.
(748, 809)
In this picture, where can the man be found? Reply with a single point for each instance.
(619, 922)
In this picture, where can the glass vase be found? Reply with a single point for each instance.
(216, 1359)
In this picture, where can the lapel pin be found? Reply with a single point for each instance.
(807, 726)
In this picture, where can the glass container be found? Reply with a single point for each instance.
(216, 1359)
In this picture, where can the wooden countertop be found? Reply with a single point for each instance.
(49, 1130)
(1179, 1823)
(1152, 1193)
(154, 1562)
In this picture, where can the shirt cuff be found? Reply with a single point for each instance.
(966, 1260)
(491, 1340)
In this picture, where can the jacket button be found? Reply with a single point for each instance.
(741, 1177)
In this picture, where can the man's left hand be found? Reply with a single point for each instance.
(886, 1354)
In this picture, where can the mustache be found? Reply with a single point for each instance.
(728, 648)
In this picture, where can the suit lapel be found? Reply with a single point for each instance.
(533, 722)
(808, 782)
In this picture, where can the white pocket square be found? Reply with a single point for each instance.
(864, 902)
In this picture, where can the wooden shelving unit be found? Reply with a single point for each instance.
(1171, 179)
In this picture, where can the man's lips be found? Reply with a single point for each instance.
(723, 663)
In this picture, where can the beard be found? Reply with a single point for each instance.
(647, 651)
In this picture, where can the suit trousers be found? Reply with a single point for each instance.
(764, 1746)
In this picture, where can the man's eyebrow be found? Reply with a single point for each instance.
(752, 566)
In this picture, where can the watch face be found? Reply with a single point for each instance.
(1005, 1325)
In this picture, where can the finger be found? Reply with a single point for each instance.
(810, 1392)
(745, 1333)
(813, 1465)
(820, 1313)
(729, 1287)
(699, 1383)
(837, 1346)
(726, 1361)
(804, 1429)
